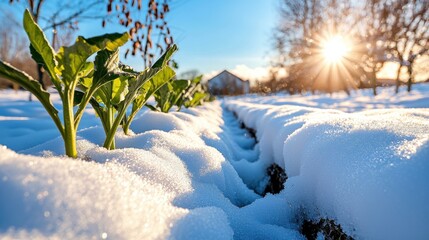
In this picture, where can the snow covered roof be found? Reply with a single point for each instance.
(227, 72)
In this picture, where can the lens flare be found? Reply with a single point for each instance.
(335, 49)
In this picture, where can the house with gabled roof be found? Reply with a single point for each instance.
(226, 83)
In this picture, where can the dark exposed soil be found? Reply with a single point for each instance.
(327, 227)
(276, 174)
(277, 180)
(251, 132)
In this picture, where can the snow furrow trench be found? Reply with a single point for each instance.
(366, 170)
(262, 177)
(195, 174)
(173, 178)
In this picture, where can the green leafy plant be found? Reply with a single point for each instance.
(106, 98)
(110, 87)
(124, 87)
(66, 69)
(147, 84)
(169, 95)
(196, 94)
(179, 93)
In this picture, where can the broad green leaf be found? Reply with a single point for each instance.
(74, 57)
(101, 96)
(106, 61)
(155, 80)
(197, 80)
(110, 41)
(164, 96)
(87, 70)
(160, 78)
(148, 82)
(196, 100)
(180, 85)
(112, 87)
(85, 83)
(170, 94)
(141, 85)
(161, 74)
(60, 60)
(106, 66)
(40, 49)
(118, 90)
(134, 87)
(36, 56)
(163, 60)
(196, 84)
(112, 93)
(128, 69)
(9, 72)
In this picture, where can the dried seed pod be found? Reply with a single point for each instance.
(126, 53)
(153, 20)
(131, 32)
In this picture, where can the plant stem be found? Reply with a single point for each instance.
(108, 129)
(87, 97)
(110, 137)
(127, 122)
(111, 121)
(69, 128)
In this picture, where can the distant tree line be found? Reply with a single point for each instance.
(379, 32)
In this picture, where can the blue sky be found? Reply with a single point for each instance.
(212, 35)
(217, 34)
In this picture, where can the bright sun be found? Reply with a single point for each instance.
(335, 49)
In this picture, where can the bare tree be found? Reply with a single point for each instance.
(370, 50)
(411, 41)
(190, 74)
(422, 68)
(300, 37)
(14, 49)
(381, 31)
(143, 30)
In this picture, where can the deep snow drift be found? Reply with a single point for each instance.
(193, 174)
(165, 181)
(368, 170)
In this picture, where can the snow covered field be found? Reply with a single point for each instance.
(362, 161)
